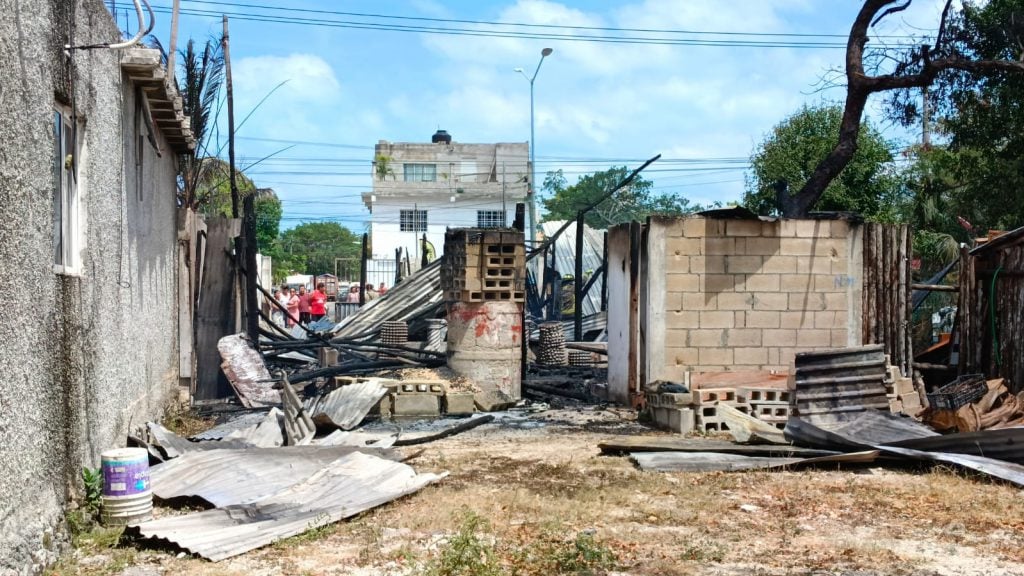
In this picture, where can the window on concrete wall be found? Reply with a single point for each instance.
(490, 218)
(420, 172)
(67, 166)
(412, 221)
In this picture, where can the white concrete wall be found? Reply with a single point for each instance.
(442, 213)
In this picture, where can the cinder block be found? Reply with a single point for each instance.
(814, 338)
(492, 400)
(771, 302)
(796, 247)
(680, 356)
(682, 319)
(743, 228)
(760, 282)
(700, 301)
(682, 283)
(719, 246)
(755, 395)
(709, 396)
(716, 319)
(904, 386)
(740, 337)
(756, 356)
(714, 357)
(683, 246)
(328, 356)
(415, 405)
(383, 408)
(776, 264)
(895, 406)
(743, 264)
(459, 403)
(681, 420)
(780, 337)
(673, 399)
(694, 227)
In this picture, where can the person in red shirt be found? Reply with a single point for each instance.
(317, 303)
(304, 298)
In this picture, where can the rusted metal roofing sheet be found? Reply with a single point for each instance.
(344, 488)
(245, 370)
(347, 405)
(225, 477)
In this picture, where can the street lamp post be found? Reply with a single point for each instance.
(532, 236)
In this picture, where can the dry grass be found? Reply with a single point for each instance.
(539, 490)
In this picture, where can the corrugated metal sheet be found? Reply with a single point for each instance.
(633, 444)
(233, 476)
(565, 257)
(346, 487)
(346, 406)
(809, 434)
(719, 462)
(174, 446)
(838, 385)
(358, 439)
(1004, 444)
(413, 300)
(267, 433)
(237, 422)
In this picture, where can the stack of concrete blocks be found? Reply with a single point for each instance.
(747, 295)
(706, 403)
(904, 397)
(672, 411)
(771, 405)
(698, 410)
(417, 398)
(482, 265)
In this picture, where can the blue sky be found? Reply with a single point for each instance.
(598, 104)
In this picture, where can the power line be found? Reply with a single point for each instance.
(664, 41)
(530, 26)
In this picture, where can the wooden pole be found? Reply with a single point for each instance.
(577, 285)
(251, 278)
(173, 47)
(362, 270)
(604, 275)
(231, 120)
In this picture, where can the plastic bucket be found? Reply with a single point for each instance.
(127, 495)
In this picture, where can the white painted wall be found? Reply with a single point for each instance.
(442, 213)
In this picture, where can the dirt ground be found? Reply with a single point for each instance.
(531, 494)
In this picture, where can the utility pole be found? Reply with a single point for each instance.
(231, 120)
(173, 47)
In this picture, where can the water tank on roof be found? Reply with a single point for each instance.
(441, 136)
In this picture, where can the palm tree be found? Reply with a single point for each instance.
(202, 75)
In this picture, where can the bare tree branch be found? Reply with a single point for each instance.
(860, 86)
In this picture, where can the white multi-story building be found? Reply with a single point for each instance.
(421, 188)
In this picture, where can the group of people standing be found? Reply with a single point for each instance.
(371, 293)
(303, 307)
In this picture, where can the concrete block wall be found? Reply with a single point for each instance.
(743, 295)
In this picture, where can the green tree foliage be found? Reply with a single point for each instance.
(312, 248)
(268, 217)
(868, 185)
(977, 170)
(212, 191)
(632, 202)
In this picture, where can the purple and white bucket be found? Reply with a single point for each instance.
(127, 494)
